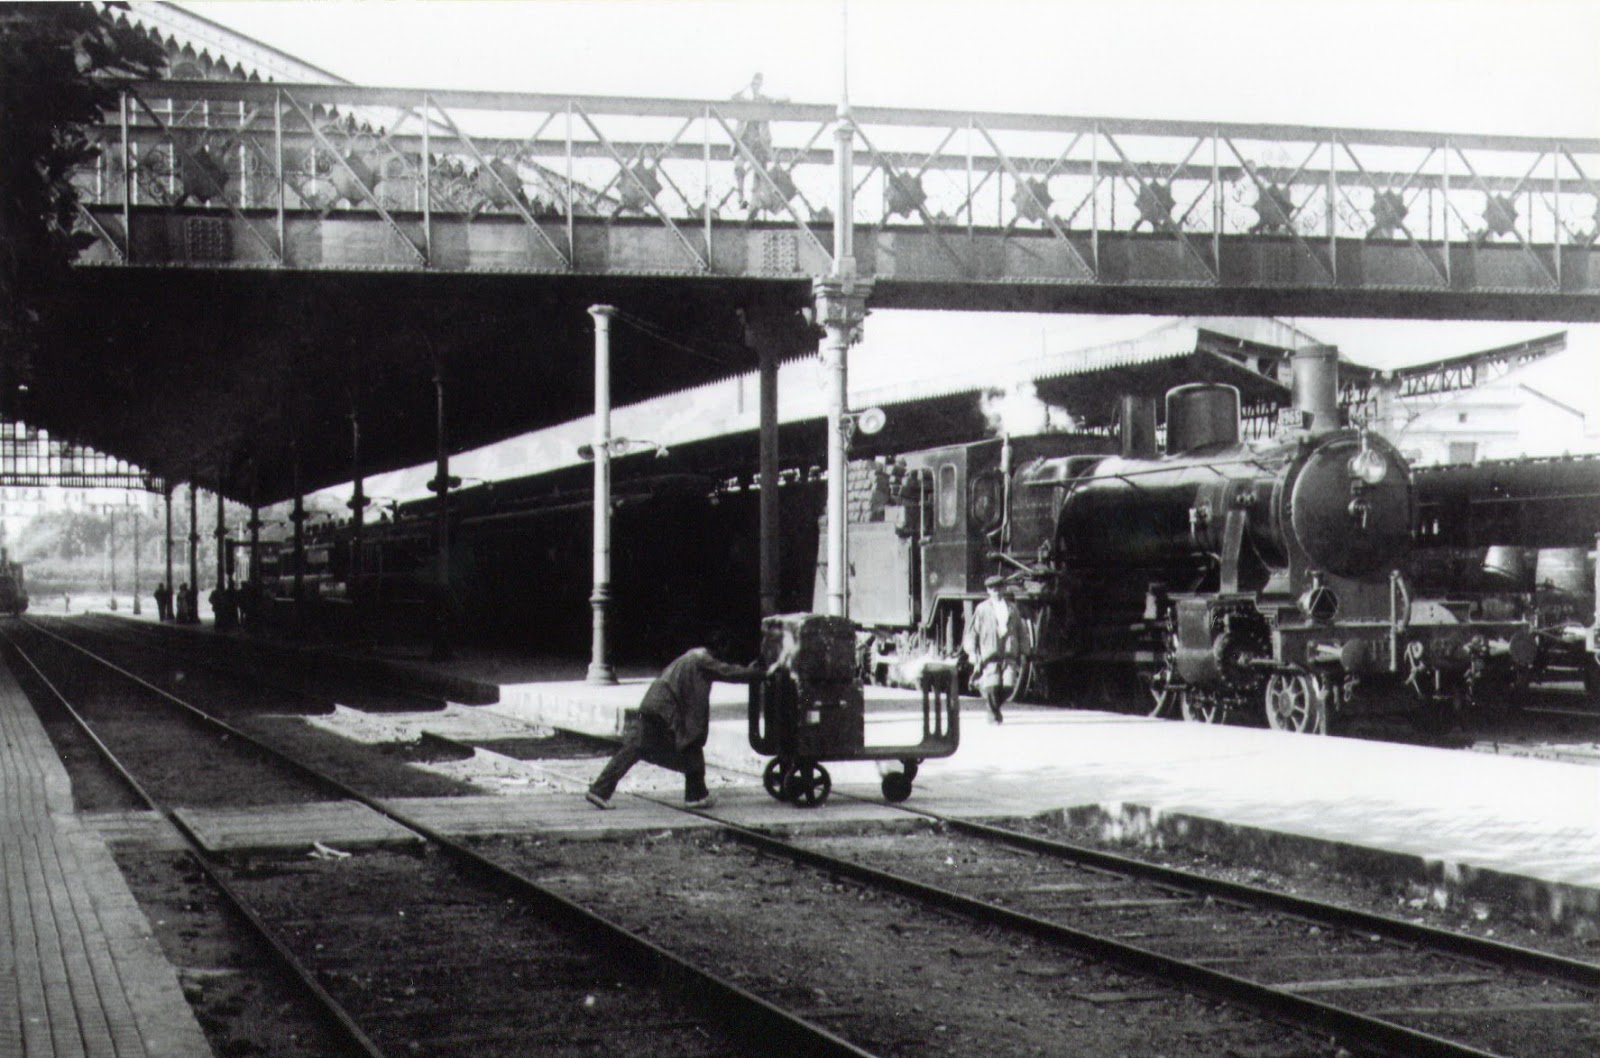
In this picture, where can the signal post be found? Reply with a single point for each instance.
(841, 306)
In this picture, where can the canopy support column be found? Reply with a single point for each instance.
(841, 307)
(193, 602)
(600, 670)
(222, 615)
(440, 486)
(357, 503)
(775, 333)
(298, 517)
(167, 496)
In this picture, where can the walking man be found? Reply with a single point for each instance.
(670, 726)
(994, 644)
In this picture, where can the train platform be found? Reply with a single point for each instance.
(81, 973)
(1460, 823)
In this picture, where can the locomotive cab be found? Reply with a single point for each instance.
(927, 530)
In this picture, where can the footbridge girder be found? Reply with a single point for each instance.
(971, 205)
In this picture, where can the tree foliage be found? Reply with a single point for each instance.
(58, 65)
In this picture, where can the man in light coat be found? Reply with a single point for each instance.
(993, 643)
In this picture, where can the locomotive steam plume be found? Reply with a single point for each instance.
(1017, 411)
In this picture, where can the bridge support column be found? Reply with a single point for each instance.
(600, 670)
(193, 603)
(841, 307)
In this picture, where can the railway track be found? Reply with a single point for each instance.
(581, 982)
(1374, 984)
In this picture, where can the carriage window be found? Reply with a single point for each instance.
(949, 497)
(985, 505)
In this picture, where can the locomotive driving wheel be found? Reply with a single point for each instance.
(1163, 694)
(1296, 702)
(808, 784)
(1200, 709)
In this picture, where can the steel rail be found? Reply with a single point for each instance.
(1288, 1006)
(138, 642)
(1492, 952)
(763, 1026)
(329, 1006)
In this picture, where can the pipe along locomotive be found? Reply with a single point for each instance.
(1230, 579)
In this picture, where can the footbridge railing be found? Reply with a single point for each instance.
(320, 176)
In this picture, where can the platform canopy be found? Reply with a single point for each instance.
(231, 379)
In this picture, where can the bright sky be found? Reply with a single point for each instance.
(1506, 66)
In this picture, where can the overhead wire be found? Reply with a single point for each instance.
(654, 331)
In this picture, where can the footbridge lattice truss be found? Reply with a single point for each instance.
(951, 209)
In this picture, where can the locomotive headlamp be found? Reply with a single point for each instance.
(1368, 465)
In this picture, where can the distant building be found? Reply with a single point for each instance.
(1547, 408)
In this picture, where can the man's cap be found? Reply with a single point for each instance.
(996, 581)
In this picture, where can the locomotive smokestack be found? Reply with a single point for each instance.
(1316, 386)
(1137, 429)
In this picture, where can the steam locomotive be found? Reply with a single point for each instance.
(1231, 578)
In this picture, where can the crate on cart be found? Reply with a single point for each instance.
(811, 709)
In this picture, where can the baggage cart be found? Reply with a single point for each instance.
(812, 710)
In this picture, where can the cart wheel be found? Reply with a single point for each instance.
(776, 778)
(808, 785)
(896, 787)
